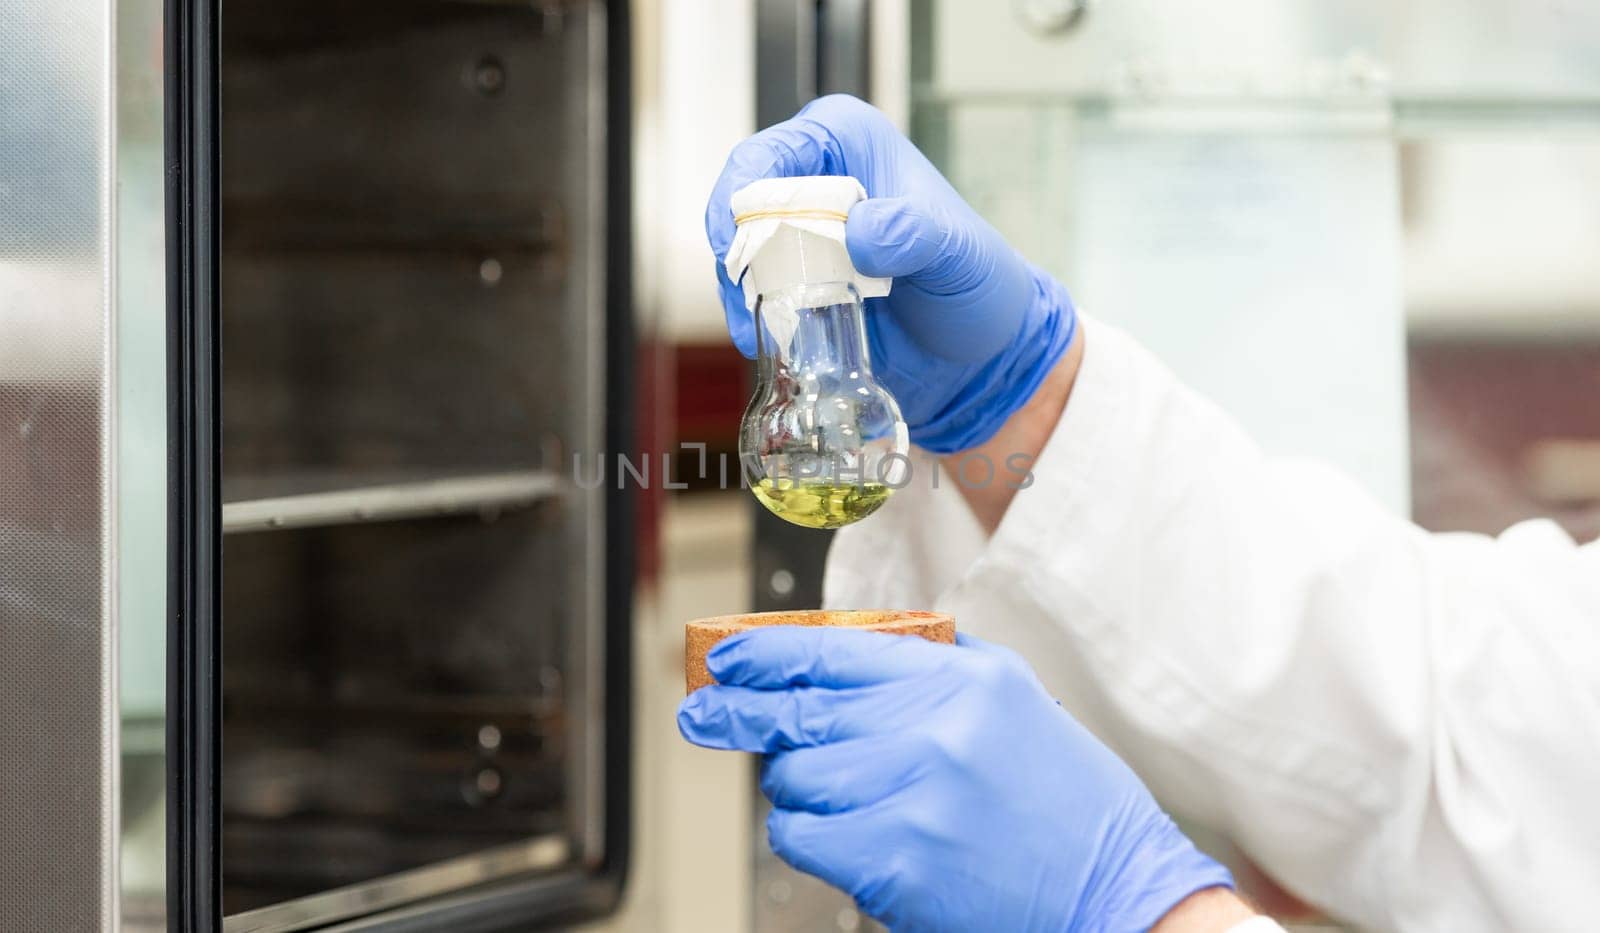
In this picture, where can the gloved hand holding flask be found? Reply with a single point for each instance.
(970, 329)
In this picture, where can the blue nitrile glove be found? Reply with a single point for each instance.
(969, 330)
(941, 786)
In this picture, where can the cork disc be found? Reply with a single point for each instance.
(701, 634)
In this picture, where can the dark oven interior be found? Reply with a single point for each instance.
(411, 321)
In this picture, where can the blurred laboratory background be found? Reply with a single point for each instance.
(1369, 229)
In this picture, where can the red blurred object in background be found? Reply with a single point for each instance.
(689, 393)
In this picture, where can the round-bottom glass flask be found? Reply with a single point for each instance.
(822, 443)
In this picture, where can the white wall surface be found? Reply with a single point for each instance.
(694, 99)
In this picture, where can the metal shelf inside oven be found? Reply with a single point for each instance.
(538, 854)
(317, 499)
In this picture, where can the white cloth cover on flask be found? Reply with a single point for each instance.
(791, 232)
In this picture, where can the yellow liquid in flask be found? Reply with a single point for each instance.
(821, 504)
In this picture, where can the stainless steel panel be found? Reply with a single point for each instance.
(57, 625)
(141, 440)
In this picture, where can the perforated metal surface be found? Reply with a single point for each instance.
(57, 770)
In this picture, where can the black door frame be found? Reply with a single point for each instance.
(194, 535)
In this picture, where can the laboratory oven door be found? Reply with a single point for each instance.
(399, 315)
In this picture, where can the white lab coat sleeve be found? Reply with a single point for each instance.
(1401, 727)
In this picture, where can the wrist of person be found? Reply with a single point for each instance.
(987, 395)
(1214, 910)
(1156, 871)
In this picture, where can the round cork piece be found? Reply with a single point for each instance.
(700, 635)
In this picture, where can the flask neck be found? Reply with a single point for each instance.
(817, 329)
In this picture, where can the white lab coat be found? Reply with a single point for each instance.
(1402, 727)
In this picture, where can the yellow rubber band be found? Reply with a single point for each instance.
(840, 216)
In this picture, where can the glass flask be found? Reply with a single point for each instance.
(822, 443)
